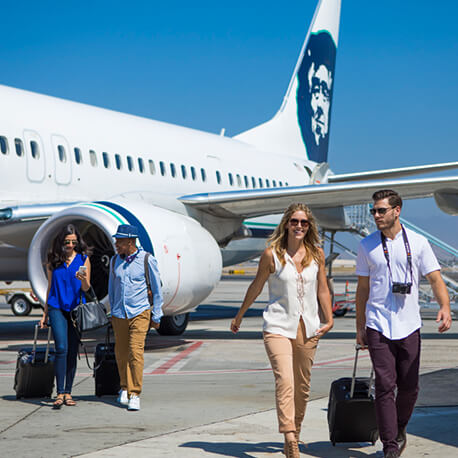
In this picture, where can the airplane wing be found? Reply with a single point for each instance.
(392, 173)
(251, 203)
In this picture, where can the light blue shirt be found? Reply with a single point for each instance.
(127, 288)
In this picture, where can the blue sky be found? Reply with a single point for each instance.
(209, 66)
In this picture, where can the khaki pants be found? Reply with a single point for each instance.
(291, 361)
(130, 336)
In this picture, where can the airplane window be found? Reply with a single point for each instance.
(152, 168)
(183, 172)
(203, 174)
(141, 165)
(231, 180)
(162, 167)
(274, 183)
(106, 160)
(173, 170)
(19, 147)
(118, 161)
(130, 164)
(246, 181)
(253, 181)
(218, 177)
(3, 145)
(93, 158)
(286, 184)
(260, 183)
(35, 151)
(193, 173)
(267, 183)
(62, 153)
(78, 156)
(239, 181)
(280, 183)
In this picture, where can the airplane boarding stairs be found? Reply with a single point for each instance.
(363, 225)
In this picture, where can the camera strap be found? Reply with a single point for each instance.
(408, 252)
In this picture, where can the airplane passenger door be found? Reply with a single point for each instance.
(35, 154)
(62, 160)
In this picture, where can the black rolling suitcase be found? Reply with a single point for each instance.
(351, 409)
(35, 371)
(105, 369)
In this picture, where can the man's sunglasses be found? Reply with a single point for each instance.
(295, 222)
(70, 242)
(380, 211)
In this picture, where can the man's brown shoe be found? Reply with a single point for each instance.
(401, 440)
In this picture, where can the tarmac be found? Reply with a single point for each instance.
(209, 393)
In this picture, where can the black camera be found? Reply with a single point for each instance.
(401, 288)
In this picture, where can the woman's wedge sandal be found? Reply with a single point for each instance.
(69, 401)
(59, 402)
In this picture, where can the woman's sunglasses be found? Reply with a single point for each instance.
(303, 222)
(70, 242)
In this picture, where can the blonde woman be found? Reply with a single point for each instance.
(293, 265)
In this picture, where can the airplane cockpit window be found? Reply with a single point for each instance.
(141, 165)
(93, 158)
(245, 178)
(62, 153)
(19, 147)
(173, 171)
(253, 181)
(78, 156)
(231, 179)
(218, 177)
(193, 173)
(130, 164)
(239, 181)
(34, 149)
(203, 174)
(267, 183)
(308, 170)
(118, 161)
(183, 172)
(162, 167)
(106, 160)
(152, 167)
(3, 145)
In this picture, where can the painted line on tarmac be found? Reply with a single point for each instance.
(175, 359)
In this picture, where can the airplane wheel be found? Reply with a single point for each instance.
(21, 306)
(340, 312)
(173, 325)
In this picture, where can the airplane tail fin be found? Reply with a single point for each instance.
(301, 126)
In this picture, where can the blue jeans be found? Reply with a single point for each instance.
(66, 346)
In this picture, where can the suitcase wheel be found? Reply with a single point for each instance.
(333, 444)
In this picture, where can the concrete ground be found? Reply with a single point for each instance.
(209, 393)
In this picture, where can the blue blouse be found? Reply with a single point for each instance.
(65, 289)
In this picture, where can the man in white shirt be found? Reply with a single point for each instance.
(389, 265)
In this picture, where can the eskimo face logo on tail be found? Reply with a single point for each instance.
(314, 94)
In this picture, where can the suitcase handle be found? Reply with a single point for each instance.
(353, 378)
(34, 350)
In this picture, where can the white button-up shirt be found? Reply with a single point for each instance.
(395, 315)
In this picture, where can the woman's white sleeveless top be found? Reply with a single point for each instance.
(292, 295)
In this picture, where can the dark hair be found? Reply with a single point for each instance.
(394, 199)
(56, 255)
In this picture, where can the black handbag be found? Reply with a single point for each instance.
(90, 315)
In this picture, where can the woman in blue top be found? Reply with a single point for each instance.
(69, 271)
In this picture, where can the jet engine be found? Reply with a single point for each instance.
(188, 257)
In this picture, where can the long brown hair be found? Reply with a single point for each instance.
(278, 241)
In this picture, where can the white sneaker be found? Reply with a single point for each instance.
(134, 403)
(123, 399)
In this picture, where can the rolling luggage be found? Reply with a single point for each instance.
(34, 376)
(105, 369)
(351, 409)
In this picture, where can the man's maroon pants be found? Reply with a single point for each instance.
(396, 365)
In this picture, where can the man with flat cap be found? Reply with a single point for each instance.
(136, 305)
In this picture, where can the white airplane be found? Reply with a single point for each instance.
(188, 191)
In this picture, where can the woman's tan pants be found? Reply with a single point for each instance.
(130, 336)
(291, 361)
